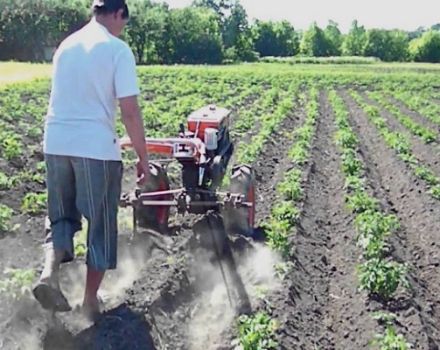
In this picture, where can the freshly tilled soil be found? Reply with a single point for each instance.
(415, 244)
(175, 297)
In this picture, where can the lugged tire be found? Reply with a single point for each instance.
(154, 217)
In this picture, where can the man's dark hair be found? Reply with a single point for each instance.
(105, 7)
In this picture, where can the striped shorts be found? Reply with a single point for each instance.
(84, 187)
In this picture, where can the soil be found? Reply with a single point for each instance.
(169, 293)
(415, 244)
(319, 306)
(418, 117)
(427, 154)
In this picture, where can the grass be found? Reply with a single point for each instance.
(12, 72)
(322, 60)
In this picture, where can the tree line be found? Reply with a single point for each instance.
(208, 31)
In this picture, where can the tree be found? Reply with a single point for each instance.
(27, 27)
(426, 48)
(314, 42)
(386, 45)
(194, 37)
(398, 46)
(436, 27)
(275, 38)
(235, 25)
(220, 7)
(334, 39)
(237, 37)
(288, 40)
(416, 33)
(146, 29)
(354, 42)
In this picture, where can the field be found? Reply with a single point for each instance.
(11, 72)
(348, 206)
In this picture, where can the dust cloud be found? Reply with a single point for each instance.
(213, 313)
(28, 323)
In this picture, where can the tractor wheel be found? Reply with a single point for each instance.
(241, 220)
(150, 217)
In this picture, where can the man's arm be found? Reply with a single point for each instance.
(131, 117)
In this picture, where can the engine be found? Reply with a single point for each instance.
(211, 125)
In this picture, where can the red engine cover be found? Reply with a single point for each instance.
(208, 117)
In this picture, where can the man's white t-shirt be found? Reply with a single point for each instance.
(92, 69)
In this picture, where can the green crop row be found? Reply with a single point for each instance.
(248, 153)
(426, 134)
(378, 274)
(285, 213)
(419, 103)
(401, 145)
(258, 331)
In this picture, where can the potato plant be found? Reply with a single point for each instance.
(427, 135)
(5, 218)
(285, 213)
(34, 203)
(419, 103)
(378, 275)
(256, 332)
(401, 145)
(17, 283)
(382, 277)
(391, 340)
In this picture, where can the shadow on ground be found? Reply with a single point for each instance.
(120, 328)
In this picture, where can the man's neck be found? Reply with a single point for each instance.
(102, 20)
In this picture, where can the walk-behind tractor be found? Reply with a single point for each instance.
(203, 150)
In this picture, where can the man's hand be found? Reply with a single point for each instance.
(143, 171)
(133, 123)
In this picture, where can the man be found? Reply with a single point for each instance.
(92, 70)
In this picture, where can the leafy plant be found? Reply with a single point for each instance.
(298, 153)
(346, 138)
(391, 340)
(386, 318)
(277, 235)
(18, 282)
(290, 187)
(5, 218)
(282, 269)
(373, 229)
(351, 165)
(34, 203)
(5, 182)
(354, 183)
(360, 201)
(12, 146)
(382, 277)
(80, 241)
(435, 192)
(256, 332)
(427, 175)
(285, 211)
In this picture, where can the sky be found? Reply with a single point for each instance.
(386, 14)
